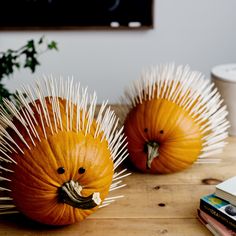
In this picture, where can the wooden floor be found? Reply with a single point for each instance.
(153, 205)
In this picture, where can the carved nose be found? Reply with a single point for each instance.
(70, 193)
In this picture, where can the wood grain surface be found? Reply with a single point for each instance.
(153, 205)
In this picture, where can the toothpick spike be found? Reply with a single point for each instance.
(34, 116)
(189, 90)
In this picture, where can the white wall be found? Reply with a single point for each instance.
(201, 33)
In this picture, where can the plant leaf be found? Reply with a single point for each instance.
(53, 45)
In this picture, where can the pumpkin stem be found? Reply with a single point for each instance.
(152, 152)
(70, 193)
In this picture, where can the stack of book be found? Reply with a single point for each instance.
(218, 211)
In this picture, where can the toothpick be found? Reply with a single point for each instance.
(188, 90)
(41, 110)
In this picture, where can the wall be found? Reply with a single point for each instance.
(199, 33)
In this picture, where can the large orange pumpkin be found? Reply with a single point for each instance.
(174, 119)
(58, 161)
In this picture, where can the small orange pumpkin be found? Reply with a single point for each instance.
(174, 119)
(58, 161)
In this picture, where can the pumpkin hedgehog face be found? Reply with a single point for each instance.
(174, 119)
(57, 160)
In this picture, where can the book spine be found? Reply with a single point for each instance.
(217, 214)
(210, 227)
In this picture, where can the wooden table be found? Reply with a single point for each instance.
(153, 205)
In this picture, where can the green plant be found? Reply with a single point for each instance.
(24, 57)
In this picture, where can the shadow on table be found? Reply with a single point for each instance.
(19, 223)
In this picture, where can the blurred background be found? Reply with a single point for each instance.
(199, 33)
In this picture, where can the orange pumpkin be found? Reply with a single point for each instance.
(58, 160)
(174, 119)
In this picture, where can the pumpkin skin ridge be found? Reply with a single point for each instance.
(166, 152)
(26, 163)
(174, 163)
(154, 119)
(178, 157)
(178, 121)
(165, 170)
(50, 208)
(180, 138)
(46, 183)
(66, 164)
(142, 121)
(52, 182)
(53, 167)
(156, 166)
(81, 156)
(25, 186)
(83, 214)
(155, 138)
(148, 136)
(33, 159)
(59, 216)
(89, 187)
(73, 217)
(102, 173)
(96, 159)
(75, 177)
(172, 130)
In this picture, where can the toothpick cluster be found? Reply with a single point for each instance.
(193, 93)
(32, 102)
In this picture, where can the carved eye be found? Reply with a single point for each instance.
(61, 170)
(81, 170)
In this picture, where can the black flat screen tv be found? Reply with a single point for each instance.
(75, 14)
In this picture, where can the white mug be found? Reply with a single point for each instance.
(224, 77)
